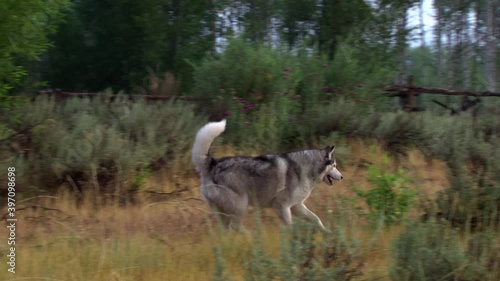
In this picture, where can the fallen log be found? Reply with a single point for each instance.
(398, 90)
(63, 95)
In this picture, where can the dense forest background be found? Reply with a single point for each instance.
(89, 45)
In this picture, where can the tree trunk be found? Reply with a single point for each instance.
(491, 40)
(212, 25)
(423, 44)
(422, 27)
(439, 49)
(401, 41)
(456, 45)
(476, 39)
(467, 55)
(449, 48)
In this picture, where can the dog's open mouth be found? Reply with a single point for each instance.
(329, 179)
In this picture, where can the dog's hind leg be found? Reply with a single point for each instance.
(229, 221)
(223, 218)
(230, 206)
(302, 211)
(284, 214)
(239, 208)
(236, 224)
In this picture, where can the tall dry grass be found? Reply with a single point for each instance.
(174, 239)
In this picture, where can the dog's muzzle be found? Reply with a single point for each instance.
(333, 175)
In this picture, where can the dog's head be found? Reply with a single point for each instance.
(330, 172)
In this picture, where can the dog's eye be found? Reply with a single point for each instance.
(328, 162)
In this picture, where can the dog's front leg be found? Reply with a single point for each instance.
(302, 211)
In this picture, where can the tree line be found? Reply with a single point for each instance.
(90, 45)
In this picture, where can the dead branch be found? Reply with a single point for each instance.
(166, 193)
(452, 110)
(464, 105)
(34, 207)
(398, 90)
(76, 189)
(62, 95)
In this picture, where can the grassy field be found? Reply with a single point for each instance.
(174, 239)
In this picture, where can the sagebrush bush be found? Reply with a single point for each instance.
(468, 206)
(123, 135)
(96, 142)
(302, 256)
(283, 124)
(433, 251)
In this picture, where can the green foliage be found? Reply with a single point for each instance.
(391, 197)
(258, 73)
(141, 177)
(298, 16)
(343, 18)
(114, 43)
(252, 72)
(423, 67)
(472, 202)
(434, 252)
(267, 90)
(24, 30)
(401, 130)
(127, 135)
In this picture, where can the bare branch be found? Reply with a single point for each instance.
(397, 90)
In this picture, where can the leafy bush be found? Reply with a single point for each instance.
(251, 72)
(259, 73)
(391, 197)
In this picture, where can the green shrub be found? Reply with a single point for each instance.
(433, 251)
(301, 256)
(282, 124)
(268, 126)
(252, 72)
(400, 130)
(305, 253)
(391, 197)
(467, 206)
(259, 73)
(357, 74)
(141, 177)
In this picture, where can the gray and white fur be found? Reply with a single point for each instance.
(279, 181)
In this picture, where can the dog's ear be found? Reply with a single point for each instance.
(329, 151)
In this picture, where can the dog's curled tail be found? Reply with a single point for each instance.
(204, 139)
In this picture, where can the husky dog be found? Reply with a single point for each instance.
(279, 181)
